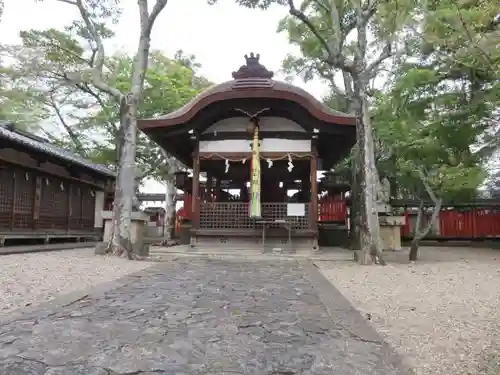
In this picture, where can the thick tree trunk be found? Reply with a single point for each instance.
(124, 191)
(354, 206)
(369, 227)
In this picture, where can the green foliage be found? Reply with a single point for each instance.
(169, 84)
(260, 4)
(85, 120)
(428, 146)
(436, 118)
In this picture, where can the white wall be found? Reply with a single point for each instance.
(239, 124)
(266, 145)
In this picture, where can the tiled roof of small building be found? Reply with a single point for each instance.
(9, 132)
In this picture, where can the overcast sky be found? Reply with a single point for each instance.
(218, 35)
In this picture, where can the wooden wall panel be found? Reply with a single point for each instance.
(88, 208)
(24, 200)
(53, 204)
(76, 207)
(7, 187)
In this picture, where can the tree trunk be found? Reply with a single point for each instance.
(124, 191)
(355, 199)
(417, 233)
(369, 227)
(170, 191)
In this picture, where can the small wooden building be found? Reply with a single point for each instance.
(213, 134)
(47, 192)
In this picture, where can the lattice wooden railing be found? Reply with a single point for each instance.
(234, 215)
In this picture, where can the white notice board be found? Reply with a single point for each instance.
(296, 209)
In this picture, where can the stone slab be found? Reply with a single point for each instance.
(9, 250)
(199, 316)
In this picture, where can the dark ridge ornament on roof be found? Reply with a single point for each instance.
(252, 69)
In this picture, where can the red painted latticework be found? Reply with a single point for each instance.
(477, 223)
(332, 210)
(487, 223)
(188, 206)
(405, 231)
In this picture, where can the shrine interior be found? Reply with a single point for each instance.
(278, 184)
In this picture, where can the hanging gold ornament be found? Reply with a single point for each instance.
(251, 127)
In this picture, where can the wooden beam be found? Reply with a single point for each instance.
(14, 200)
(196, 191)
(480, 203)
(212, 136)
(70, 208)
(37, 200)
(41, 170)
(313, 209)
(243, 155)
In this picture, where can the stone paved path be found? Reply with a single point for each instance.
(200, 316)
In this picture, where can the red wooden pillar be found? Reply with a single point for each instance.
(406, 228)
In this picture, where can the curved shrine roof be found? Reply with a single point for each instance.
(251, 81)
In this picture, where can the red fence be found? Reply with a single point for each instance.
(476, 223)
(460, 224)
(330, 210)
(470, 224)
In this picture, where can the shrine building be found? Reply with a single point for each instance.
(48, 194)
(255, 146)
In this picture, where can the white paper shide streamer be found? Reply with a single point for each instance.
(290, 163)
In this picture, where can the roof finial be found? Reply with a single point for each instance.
(253, 69)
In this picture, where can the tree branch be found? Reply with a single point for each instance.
(384, 55)
(86, 88)
(474, 43)
(335, 58)
(348, 84)
(141, 57)
(427, 187)
(96, 70)
(158, 7)
(369, 10)
(73, 136)
(322, 6)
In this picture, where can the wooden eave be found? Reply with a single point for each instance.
(255, 89)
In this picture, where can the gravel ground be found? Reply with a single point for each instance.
(442, 313)
(38, 277)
